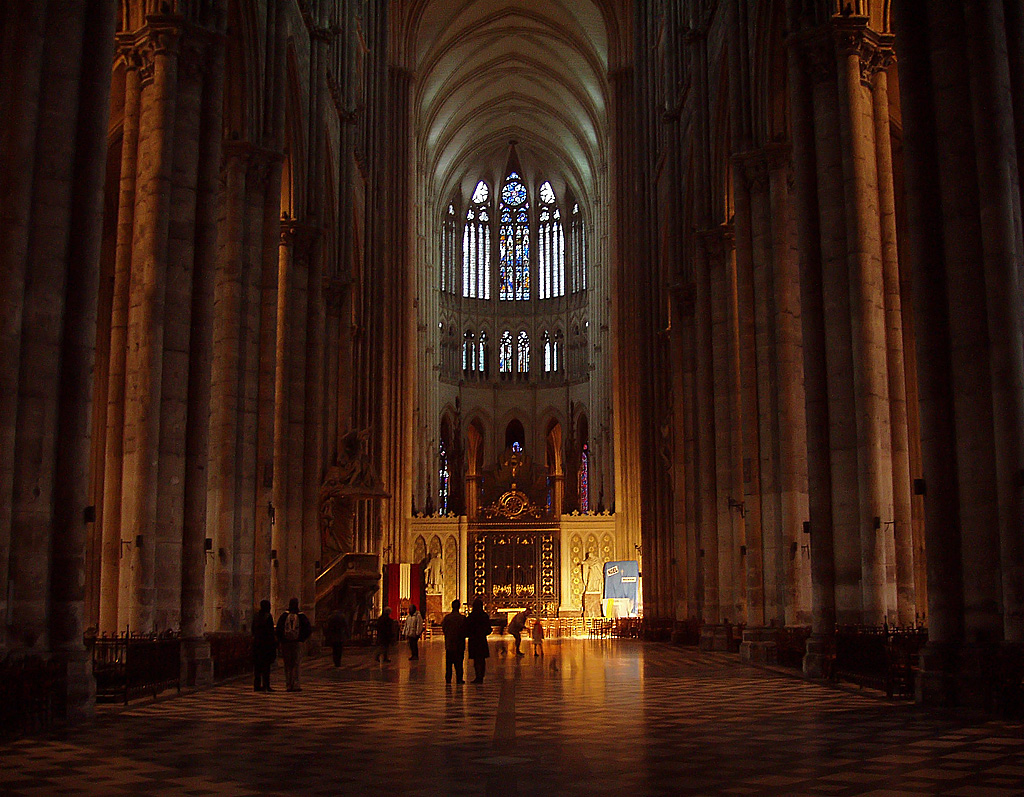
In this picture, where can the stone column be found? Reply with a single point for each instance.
(73, 453)
(51, 212)
(146, 317)
(720, 266)
(225, 384)
(110, 513)
(867, 307)
(194, 558)
(278, 577)
(21, 89)
(812, 317)
(1003, 258)
(932, 332)
(760, 455)
(902, 531)
(794, 550)
(259, 175)
(178, 297)
(303, 252)
(265, 509)
(706, 476)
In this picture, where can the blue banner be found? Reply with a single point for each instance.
(621, 586)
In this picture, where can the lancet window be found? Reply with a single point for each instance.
(550, 247)
(578, 255)
(584, 479)
(505, 353)
(443, 479)
(523, 353)
(482, 353)
(514, 231)
(476, 246)
(448, 252)
(468, 352)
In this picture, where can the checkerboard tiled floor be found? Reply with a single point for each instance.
(591, 717)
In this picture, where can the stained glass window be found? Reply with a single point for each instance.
(584, 481)
(523, 358)
(443, 479)
(514, 234)
(549, 355)
(505, 353)
(468, 352)
(579, 250)
(448, 239)
(476, 247)
(481, 360)
(551, 247)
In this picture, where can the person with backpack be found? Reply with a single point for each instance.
(293, 628)
(413, 631)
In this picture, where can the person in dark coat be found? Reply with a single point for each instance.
(454, 628)
(385, 633)
(478, 626)
(264, 647)
(335, 634)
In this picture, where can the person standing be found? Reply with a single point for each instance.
(478, 626)
(516, 626)
(385, 634)
(293, 628)
(454, 628)
(264, 648)
(538, 638)
(413, 631)
(335, 634)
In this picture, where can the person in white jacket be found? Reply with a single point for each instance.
(413, 631)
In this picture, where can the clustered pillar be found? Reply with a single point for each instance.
(963, 153)
(860, 510)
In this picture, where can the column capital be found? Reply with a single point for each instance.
(128, 52)
(817, 50)
(335, 289)
(853, 37)
(300, 237)
(162, 35)
(716, 243)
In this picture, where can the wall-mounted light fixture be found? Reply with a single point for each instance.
(138, 540)
(270, 512)
(208, 544)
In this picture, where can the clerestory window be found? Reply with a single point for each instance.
(514, 231)
(476, 246)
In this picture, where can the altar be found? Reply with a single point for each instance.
(514, 547)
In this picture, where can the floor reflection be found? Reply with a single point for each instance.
(588, 717)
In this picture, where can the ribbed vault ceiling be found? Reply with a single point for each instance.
(488, 72)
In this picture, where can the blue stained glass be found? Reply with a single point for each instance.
(443, 476)
(513, 192)
(515, 241)
(584, 481)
